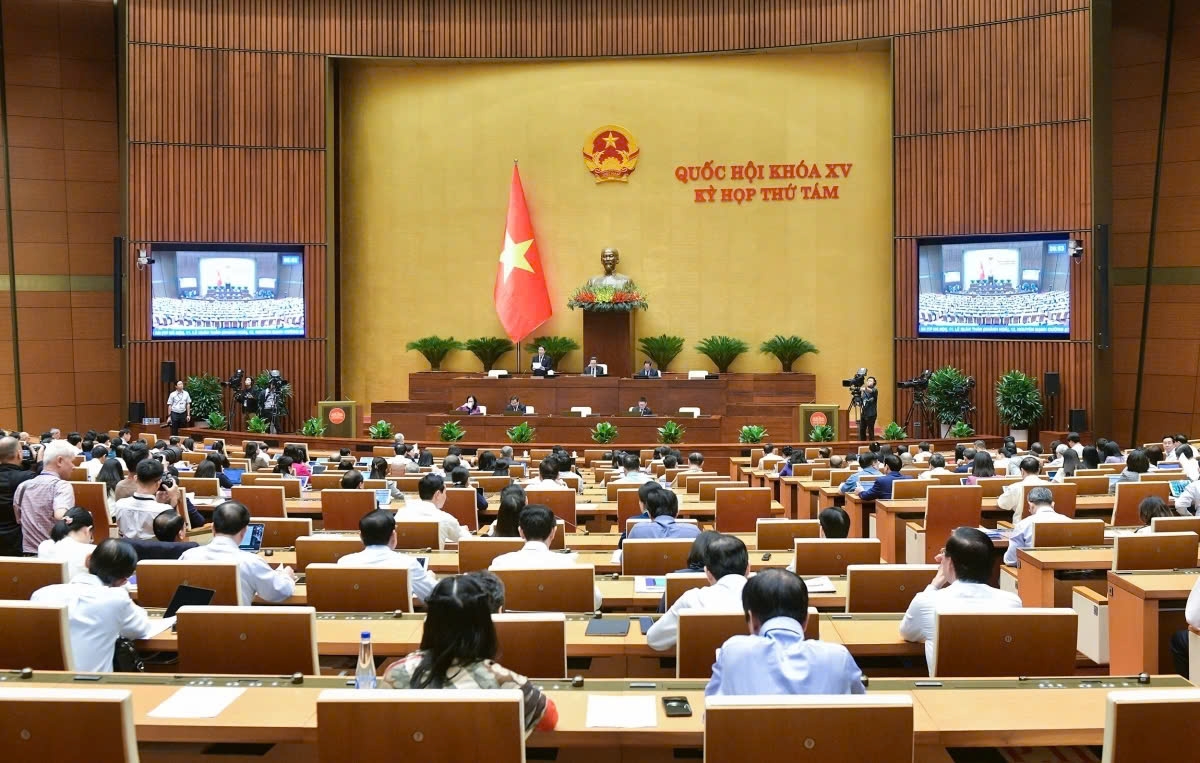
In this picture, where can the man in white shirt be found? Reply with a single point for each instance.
(179, 407)
(924, 454)
(398, 462)
(548, 478)
(135, 515)
(726, 564)
(230, 521)
(965, 566)
(770, 454)
(937, 465)
(537, 525)
(633, 471)
(432, 492)
(1010, 499)
(99, 609)
(1074, 444)
(1179, 640)
(1041, 509)
(378, 532)
(96, 463)
(1168, 446)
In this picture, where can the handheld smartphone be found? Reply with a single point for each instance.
(677, 707)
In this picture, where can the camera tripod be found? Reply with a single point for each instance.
(856, 404)
(919, 413)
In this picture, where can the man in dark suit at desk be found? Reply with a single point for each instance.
(643, 409)
(541, 363)
(514, 405)
(648, 371)
(593, 368)
(881, 488)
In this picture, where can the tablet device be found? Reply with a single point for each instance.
(1178, 486)
(383, 496)
(253, 539)
(616, 626)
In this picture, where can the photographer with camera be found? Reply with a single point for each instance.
(870, 409)
(272, 399)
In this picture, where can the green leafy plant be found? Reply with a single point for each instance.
(1018, 400)
(312, 428)
(217, 420)
(894, 431)
(435, 349)
(521, 433)
(557, 347)
(752, 433)
(604, 433)
(285, 393)
(451, 431)
(205, 391)
(381, 430)
(787, 349)
(722, 350)
(257, 424)
(821, 433)
(661, 349)
(670, 433)
(489, 349)
(961, 429)
(949, 394)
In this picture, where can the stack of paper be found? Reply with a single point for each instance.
(819, 585)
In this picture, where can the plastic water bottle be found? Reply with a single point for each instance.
(364, 672)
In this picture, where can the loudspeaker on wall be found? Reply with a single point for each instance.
(1050, 384)
(1077, 420)
(137, 411)
(166, 372)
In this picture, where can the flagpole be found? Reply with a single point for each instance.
(518, 370)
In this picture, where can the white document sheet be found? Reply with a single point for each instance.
(819, 585)
(615, 711)
(197, 702)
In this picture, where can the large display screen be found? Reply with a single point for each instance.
(209, 291)
(995, 287)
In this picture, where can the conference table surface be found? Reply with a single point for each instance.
(1035, 576)
(949, 713)
(1144, 610)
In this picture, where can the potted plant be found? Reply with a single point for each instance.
(1019, 403)
(381, 430)
(604, 433)
(787, 349)
(451, 431)
(670, 433)
(216, 420)
(960, 430)
(312, 428)
(894, 431)
(435, 349)
(557, 347)
(721, 350)
(521, 433)
(949, 394)
(821, 433)
(206, 394)
(661, 349)
(752, 433)
(489, 349)
(257, 424)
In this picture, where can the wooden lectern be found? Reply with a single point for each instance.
(814, 414)
(609, 336)
(339, 417)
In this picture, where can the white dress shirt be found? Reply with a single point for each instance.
(1188, 500)
(97, 615)
(1191, 468)
(928, 473)
(93, 467)
(535, 554)
(922, 456)
(1078, 448)
(541, 484)
(920, 621)
(1010, 499)
(135, 516)
(723, 596)
(257, 577)
(637, 477)
(449, 530)
(67, 550)
(1022, 536)
(420, 579)
(1191, 612)
(178, 401)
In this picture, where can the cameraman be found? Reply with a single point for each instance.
(247, 400)
(870, 409)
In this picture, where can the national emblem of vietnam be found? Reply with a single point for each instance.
(610, 153)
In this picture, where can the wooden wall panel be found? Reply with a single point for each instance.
(1008, 180)
(199, 193)
(207, 97)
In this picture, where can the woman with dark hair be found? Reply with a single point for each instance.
(1112, 453)
(981, 467)
(1090, 457)
(70, 541)
(460, 476)
(379, 471)
(257, 457)
(512, 500)
(1152, 506)
(1069, 466)
(284, 466)
(205, 470)
(471, 407)
(300, 466)
(487, 461)
(219, 462)
(426, 458)
(458, 651)
(110, 475)
(1135, 466)
(189, 444)
(1154, 454)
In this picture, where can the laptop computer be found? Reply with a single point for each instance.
(189, 596)
(234, 475)
(253, 539)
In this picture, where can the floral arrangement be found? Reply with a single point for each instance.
(606, 298)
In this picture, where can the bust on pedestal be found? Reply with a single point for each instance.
(608, 302)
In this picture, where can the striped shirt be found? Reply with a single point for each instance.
(36, 501)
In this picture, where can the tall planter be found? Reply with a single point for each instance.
(1018, 402)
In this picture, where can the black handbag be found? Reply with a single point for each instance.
(126, 658)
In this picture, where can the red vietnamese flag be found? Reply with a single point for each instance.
(522, 299)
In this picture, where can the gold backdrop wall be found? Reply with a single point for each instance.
(426, 154)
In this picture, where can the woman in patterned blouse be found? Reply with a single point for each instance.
(457, 651)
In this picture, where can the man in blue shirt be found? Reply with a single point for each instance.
(776, 658)
(881, 488)
(866, 463)
(644, 492)
(663, 506)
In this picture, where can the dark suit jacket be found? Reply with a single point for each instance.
(514, 409)
(870, 406)
(547, 362)
(589, 371)
(881, 488)
(653, 373)
(646, 411)
(157, 549)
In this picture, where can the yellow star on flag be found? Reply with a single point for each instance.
(512, 256)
